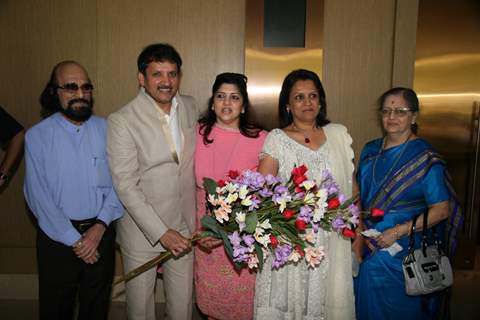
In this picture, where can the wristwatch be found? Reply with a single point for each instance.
(3, 176)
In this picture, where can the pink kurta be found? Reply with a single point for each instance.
(221, 291)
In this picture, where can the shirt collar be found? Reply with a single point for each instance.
(67, 125)
(173, 110)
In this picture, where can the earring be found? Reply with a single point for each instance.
(243, 111)
(213, 108)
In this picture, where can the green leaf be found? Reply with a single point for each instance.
(259, 252)
(209, 223)
(251, 221)
(210, 185)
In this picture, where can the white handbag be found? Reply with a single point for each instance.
(426, 269)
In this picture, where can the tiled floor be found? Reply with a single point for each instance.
(28, 310)
(465, 303)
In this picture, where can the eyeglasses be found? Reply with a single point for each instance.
(397, 112)
(73, 87)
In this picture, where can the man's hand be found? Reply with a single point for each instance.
(175, 242)
(86, 247)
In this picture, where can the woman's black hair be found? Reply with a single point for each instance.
(208, 119)
(410, 97)
(285, 117)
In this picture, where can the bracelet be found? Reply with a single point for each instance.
(395, 230)
(98, 221)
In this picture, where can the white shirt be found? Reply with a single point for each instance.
(173, 123)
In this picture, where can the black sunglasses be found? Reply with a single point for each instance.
(73, 87)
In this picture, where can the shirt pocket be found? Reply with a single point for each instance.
(103, 179)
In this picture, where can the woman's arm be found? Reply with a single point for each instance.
(358, 242)
(268, 165)
(12, 154)
(436, 214)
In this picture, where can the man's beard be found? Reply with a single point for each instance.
(79, 114)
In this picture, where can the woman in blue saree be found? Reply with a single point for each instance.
(402, 175)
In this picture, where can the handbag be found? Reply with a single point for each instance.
(426, 269)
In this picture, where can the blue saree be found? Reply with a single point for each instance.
(403, 181)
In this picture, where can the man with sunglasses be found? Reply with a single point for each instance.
(68, 188)
(150, 146)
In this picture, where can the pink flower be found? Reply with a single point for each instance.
(348, 233)
(300, 225)
(233, 174)
(377, 212)
(288, 214)
(333, 203)
(299, 171)
(273, 241)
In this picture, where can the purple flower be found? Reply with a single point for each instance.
(342, 198)
(280, 189)
(353, 209)
(271, 180)
(338, 223)
(248, 239)
(305, 214)
(299, 195)
(252, 179)
(265, 193)
(281, 255)
(254, 205)
(235, 239)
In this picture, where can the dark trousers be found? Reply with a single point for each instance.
(62, 276)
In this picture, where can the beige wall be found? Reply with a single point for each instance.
(368, 47)
(106, 37)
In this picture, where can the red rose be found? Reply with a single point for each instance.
(273, 241)
(333, 203)
(377, 212)
(288, 214)
(299, 179)
(298, 190)
(300, 225)
(232, 174)
(221, 183)
(348, 233)
(299, 171)
(300, 250)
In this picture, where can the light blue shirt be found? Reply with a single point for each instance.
(67, 176)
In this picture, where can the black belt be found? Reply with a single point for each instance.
(83, 225)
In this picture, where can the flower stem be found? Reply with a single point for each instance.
(150, 264)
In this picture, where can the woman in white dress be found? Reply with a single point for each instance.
(306, 137)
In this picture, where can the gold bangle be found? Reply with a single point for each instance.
(395, 229)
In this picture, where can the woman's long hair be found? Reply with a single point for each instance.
(209, 118)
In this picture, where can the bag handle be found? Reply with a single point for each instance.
(411, 243)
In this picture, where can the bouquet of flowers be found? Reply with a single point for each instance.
(257, 216)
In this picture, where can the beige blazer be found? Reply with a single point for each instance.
(157, 193)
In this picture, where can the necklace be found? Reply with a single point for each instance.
(395, 162)
(226, 128)
(305, 136)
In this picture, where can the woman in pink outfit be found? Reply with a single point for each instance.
(226, 140)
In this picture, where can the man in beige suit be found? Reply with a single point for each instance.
(151, 143)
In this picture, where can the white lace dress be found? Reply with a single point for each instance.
(295, 291)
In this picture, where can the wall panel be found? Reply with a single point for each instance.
(368, 48)
(34, 36)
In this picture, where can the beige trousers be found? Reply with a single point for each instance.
(177, 282)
